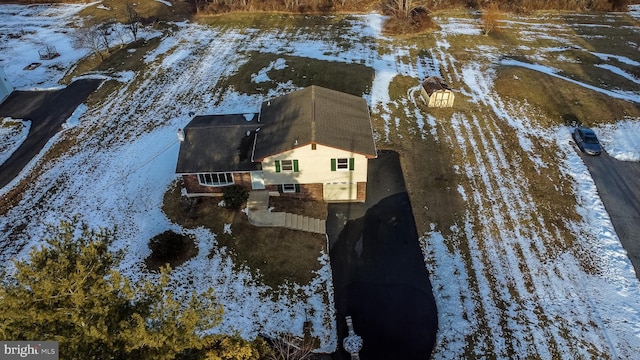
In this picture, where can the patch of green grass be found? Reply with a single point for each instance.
(126, 58)
(180, 10)
(399, 86)
(11, 124)
(559, 99)
(353, 79)
(264, 21)
(129, 57)
(615, 39)
(433, 193)
(276, 256)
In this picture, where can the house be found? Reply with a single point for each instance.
(436, 93)
(5, 86)
(312, 143)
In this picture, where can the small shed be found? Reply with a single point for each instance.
(436, 93)
(48, 52)
(5, 86)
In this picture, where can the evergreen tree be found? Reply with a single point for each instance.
(69, 291)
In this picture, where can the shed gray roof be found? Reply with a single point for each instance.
(217, 143)
(433, 84)
(314, 115)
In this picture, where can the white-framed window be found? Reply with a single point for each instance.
(288, 188)
(215, 179)
(287, 165)
(342, 164)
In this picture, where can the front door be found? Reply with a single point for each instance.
(257, 180)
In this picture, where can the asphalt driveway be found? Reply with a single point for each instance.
(379, 274)
(47, 111)
(618, 183)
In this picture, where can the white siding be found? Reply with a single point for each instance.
(440, 98)
(340, 192)
(314, 166)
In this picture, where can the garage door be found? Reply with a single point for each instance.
(342, 191)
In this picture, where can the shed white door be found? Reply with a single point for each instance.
(257, 180)
(342, 191)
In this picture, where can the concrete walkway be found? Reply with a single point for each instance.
(259, 215)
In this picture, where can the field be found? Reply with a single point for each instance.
(523, 258)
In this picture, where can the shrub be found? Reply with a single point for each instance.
(415, 21)
(491, 15)
(167, 246)
(234, 196)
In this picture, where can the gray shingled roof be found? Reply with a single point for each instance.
(314, 115)
(217, 143)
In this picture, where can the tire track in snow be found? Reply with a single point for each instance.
(515, 256)
(495, 177)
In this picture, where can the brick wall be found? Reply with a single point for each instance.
(312, 191)
(243, 179)
(195, 189)
(362, 191)
(193, 186)
(308, 191)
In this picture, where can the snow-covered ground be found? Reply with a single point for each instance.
(12, 133)
(27, 30)
(511, 292)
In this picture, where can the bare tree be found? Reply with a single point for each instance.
(403, 8)
(201, 4)
(132, 20)
(105, 30)
(491, 15)
(89, 37)
(291, 4)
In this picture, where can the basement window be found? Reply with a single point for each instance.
(288, 188)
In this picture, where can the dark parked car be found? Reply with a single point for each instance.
(586, 140)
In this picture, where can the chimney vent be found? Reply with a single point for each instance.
(181, 135)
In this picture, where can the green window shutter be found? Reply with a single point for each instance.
(295, 165)
(352, 162)
(280, 189)
(333, 164)
(297, 188)
(277, 166)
